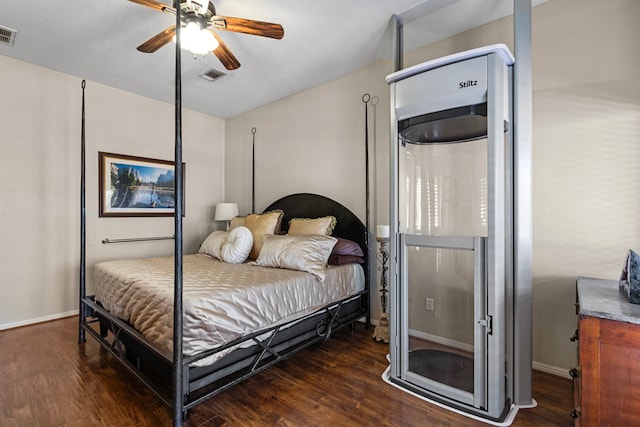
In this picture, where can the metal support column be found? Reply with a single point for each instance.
(398, 42)
(522, 209)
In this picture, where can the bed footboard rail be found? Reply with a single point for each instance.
(253, 336)
(268, 347)
(114, 335)
(117, 326)
(329, 318)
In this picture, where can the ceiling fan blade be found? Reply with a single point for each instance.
(153, 4)
(157, 41)
(224, 54)
(248, 26)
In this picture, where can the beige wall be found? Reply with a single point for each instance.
(586, 151)
(586, 155)
(311, 142)
(40, 183)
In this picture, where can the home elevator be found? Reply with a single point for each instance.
(452, 242)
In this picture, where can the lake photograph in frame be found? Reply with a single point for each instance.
(136, 186)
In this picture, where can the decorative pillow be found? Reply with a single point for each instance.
(213, 243)
(303, 252)
(237, 246)
(345, 259)
(229, 246)
(236, 221)
(347, 247)
(322, 225)
(260, 225)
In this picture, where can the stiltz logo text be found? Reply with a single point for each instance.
(468, 83)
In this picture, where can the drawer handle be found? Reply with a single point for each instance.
(575, 336)
(573, 372)
(575, 414)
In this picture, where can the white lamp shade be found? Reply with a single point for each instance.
(226, 211)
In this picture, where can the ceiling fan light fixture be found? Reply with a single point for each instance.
(198, 41)
(202, 37)
(204, 43)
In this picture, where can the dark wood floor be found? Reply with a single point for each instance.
(47, 379)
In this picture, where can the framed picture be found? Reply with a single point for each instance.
(137, 186)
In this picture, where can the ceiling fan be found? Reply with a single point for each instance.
(199, 19)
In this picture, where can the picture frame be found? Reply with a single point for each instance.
(132, 186)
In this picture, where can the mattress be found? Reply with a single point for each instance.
(221, 301)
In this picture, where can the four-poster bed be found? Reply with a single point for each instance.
(183, 379)
(237, 358)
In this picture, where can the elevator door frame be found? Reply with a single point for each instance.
(482, 323)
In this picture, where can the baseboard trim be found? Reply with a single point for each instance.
(549, 369)
(441, 340)
(38, 320)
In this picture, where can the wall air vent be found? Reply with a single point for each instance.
(7, 35)
(212, 75)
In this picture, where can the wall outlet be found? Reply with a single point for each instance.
(429, 304)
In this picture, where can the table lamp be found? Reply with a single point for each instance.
(226, 211)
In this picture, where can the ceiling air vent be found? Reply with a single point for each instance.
(212, 75)
(7, 35)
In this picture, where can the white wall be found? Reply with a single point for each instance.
(586, 151)
(40, 119)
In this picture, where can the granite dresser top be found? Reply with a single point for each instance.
(602, 298)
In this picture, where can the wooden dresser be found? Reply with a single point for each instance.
(607, 378)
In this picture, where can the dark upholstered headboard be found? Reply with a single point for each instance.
(307, 205)
(348, 226)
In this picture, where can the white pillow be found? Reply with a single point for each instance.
(237, 246)
(213, 243)
(297, 252)
(232, 247)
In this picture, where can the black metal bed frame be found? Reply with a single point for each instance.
(269, 346)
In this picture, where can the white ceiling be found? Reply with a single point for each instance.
(324, 39)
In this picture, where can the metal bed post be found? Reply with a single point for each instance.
(83, 228)
(178, 374)
(366, 98)
(253, 169)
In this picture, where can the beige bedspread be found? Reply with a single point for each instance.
(221, 301)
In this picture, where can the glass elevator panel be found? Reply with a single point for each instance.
(444, 189)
